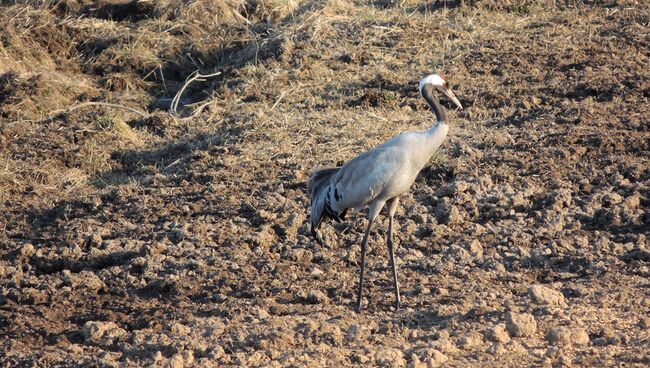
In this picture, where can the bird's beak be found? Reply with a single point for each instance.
(447, 91)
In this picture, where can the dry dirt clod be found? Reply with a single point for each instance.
(103, 333)
(390, 358)
(470, 341)
(520, 324)
(560, 336)
(216, 352)
(416, 362)
(441, 334)
(431, 357)
(442, 292)
(261, 313)
(175, 361)
(179, 330)
(317, 297)
(579, 337)
(26, 250)
(644, 322)
(445, 346)
(496, 349)
(546, 296)
(497, 334)
(447, 214)
(564, 361)
(459, 253)
(475, 248)
(84, 280)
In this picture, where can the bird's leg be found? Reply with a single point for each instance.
(317, 236)
(392, 207)
(363, 265)
(373, 211)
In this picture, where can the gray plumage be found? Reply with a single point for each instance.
(378, 177)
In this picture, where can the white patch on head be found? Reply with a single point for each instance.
(434, 79)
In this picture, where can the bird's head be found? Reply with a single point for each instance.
(438, 81)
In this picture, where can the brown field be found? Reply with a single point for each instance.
(136, 237)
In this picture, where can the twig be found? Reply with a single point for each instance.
(55, 113)
(196, 76)
(278, 100)
(172, 164)
(197, 110)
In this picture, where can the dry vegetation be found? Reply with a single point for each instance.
(150, 239)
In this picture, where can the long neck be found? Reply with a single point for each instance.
(434, 136)
(430, 98)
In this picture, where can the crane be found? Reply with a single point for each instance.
(379, 176)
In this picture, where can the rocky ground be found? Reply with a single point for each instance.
(146, 239)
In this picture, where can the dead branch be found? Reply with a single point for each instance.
(56, 113)
(196, 76)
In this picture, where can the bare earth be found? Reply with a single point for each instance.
(131, 240)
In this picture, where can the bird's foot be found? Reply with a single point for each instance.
(357, 308)
(398, 305)
(317, 236)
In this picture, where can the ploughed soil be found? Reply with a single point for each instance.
(155, 239)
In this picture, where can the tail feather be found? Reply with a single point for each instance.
(317, 186)
(317, 178)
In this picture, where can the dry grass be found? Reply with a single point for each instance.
(270, 53)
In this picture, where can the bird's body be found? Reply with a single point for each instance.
(378, 177)
(384, 172)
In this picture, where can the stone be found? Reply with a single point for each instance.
(179, 330)
(515, 347)
(579, 337)
(317, 297)
(432, 357)
(316, 272)
(437, 359)
(442, 292)
(330, 333)
(265, 237)
(175, 361)
(447, 214)
(611, 199)
(497, 334)
(445, 346)
(441, 334)
(360, 358)
(560, 336)
(103, 333)
(84, 280)
(459, 253)
(261, 313)
(470, 341)
(216, 352)
(26, 250)
(520, 324)
(644, 323)
(390, 358)
(546, 296)
(292, 224)
(94, 239)
(564, 361)
(552, 351)
(458, 186)
(475, 248)
(496, 349)
(416, 362)
(156, 248)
